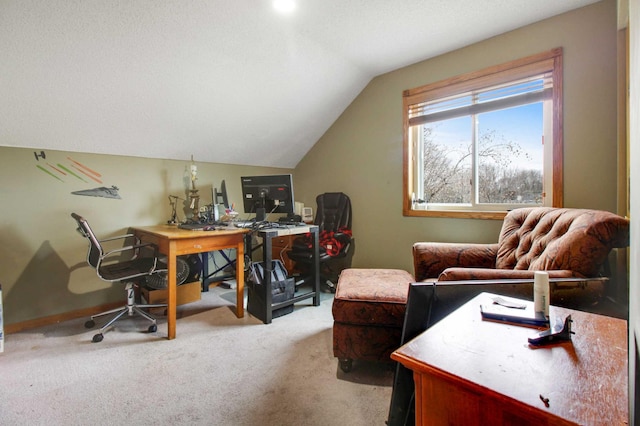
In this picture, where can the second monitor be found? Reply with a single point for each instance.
(267, 194)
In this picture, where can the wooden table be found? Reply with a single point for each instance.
(173, 241)
(468, 371)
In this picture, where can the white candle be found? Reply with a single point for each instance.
(541, 292)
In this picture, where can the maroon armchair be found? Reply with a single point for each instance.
(570, 244)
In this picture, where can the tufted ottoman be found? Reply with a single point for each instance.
(368, 314)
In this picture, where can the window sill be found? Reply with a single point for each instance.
(456, 214)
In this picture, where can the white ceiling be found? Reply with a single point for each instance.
(227, 81)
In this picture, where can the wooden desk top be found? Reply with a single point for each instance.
(174, 233)
(288, 230)
(585, 380)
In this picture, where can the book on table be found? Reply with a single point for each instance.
(513, 311)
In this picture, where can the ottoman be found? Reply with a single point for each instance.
(368, 314)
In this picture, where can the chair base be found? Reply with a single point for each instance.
(130, 309)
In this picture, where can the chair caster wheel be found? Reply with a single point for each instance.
(90, 324)
(98, 338)
(153, 328)
(346, 364)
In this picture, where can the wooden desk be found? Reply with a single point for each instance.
(173, 241)
(470, 372)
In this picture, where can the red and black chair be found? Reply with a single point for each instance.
(333, 217)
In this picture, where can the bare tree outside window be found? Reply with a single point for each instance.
(448, 171)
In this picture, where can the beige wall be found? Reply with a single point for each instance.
(361, 154)
(42, 259)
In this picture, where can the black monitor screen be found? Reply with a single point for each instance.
(220, 197)
(267, 194)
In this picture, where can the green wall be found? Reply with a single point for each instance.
(361, 154)
(43, 270)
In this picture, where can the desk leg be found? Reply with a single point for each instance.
(173, 291)
(268, 269)
(315, 270)
(240, 279)
(204, 257)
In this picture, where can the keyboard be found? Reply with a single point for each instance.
(290, 223)
(200, 226)
(244, 224)
(266, 225)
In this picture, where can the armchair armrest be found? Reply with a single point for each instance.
(464, 274)
(431, 259)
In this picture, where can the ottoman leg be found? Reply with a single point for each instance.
(346, 364)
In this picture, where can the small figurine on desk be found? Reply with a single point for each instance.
(195, 198)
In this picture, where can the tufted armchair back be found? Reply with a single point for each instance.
(565, 242)
(545, 238)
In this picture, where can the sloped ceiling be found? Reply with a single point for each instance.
(227, 81)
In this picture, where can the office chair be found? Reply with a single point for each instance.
(333, 217)
(127, 271)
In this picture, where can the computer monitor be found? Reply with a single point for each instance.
(220, 197)
(267, 194)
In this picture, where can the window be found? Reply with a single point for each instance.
(483, 143)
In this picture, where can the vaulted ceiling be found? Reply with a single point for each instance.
(227, 81)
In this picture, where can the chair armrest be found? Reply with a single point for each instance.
(344, 239)
(431, 259)
(462, 274)
(135, 248)
(302, 242)
(120, 237)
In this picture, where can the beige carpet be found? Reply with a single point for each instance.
(220, 370)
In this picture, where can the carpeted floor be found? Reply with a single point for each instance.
(220, 370)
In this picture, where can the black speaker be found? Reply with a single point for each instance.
(282, 289)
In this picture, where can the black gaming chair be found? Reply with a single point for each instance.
(110, 268)
(333, 217)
